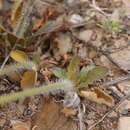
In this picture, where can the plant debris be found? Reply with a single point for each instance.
(64, 64)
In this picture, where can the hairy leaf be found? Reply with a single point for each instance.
(82, 74)
(92, 75)
(60, 73)
(72, 68)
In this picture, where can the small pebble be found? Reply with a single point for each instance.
(76, 19)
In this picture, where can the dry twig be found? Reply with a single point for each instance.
(118, 80)
(114, 108)
(97, 8)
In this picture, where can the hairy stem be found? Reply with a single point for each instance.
(64, 85)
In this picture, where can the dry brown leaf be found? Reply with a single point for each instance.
(51, 118)
(38, 23)
(16, 11)
(98, 96)
(19, 125)
(69, 111)
(29, 79)
(19, 56)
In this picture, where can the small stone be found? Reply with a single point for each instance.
(76, 19)
(124, 107)
(122, 58)
(82, 52)
(113, 114)
(64, 43)
(71, 100)
(92, 54)
(124, 123)
(85, 35)
(124, 86)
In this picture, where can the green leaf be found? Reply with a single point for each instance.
(110, 26)
(60, 73)
(82, 75)
(36, 56)
(92, 75)
(73, 68)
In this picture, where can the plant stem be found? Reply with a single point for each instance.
(64, 85)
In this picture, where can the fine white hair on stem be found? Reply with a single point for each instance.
(65, 85)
